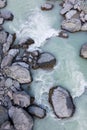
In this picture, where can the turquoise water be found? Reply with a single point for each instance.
(70, 70)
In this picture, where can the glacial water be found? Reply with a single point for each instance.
(70, 70)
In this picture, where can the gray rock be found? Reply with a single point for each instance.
(47, 6)
(7, 60)
(3, 115)
(70, 14)
(83, 52)
(26, 42)
(6, 126)
(21, 119)
(61, 102)
(72, 25)
(63, 34)
(23, 64)
(66, 8)
(9, 42)
(3, 37)
(84, 27)
(19, 73)
(46, 61)
(37, 111)
(7, 15)
(3, 3)
(21, 99)
(1, 20)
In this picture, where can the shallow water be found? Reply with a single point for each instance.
(70, 70)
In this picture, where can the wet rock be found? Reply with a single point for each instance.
(83, 52)
(26, 42)
(61, 102)
(66, 8)
(47, 6)
(3, 37)
(70, 14)
(7, 60)
(19, 73)
(21, 119)
(84, 27)
(1, 21)
(46, 61)
(3, 114)
(37, 111)
(6, 126)
(21, 99)
(3, 3)
(72, 25)
(63, 34)
(7, 15)
(9, 42)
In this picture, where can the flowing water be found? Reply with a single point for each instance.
(70, 70)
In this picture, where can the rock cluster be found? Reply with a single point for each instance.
(16, 106)
(75, 15)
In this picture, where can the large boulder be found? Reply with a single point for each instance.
(61, 102)
(3, 3)
(37, 111)
(19, 73)
(21, 119)
(3, 115)
(72, 25)
(47, 6)
(46, 61)
(83, 51)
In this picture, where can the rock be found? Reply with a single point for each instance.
(63, 34)
(7, 15)
(70, 14)
(3, 3)
(46, 61)
(21, 99)
(21, 119)
(72, 25)
(1, 21)
(47, 6)
(6, 126)
(9, 42)
(83, 52)
(61, 102)
(7, 60)
(84, 27)
(37, 111)
(12, 84)
(19, 73)
(3, 37)
(23, 64)
(3, 114)
(68, 7)
(26, 42)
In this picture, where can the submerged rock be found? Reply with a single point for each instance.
(46, 61)
(37, 111)
(47, 6)
(19, 73)
(3, 3)
(72, 25)
(21, 99)
(7, 15)
(21, 119)
(3, 115)
(63, 34)
(83, 52)
(61, 102)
